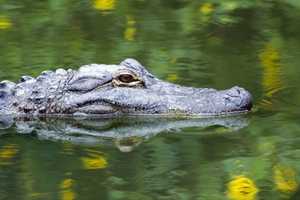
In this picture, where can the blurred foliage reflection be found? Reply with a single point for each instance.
(285, 179)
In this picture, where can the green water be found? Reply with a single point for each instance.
(213, 43)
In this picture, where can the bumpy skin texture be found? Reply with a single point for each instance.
(127, 88)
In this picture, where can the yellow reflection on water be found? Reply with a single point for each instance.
(94, 160)
(5, 22)
(130, 31)
(104, 5)
(241, 188)
(271, 82)
(7, 152)
(206, 8)
(285, 179)
(67, 192)
(172, 77)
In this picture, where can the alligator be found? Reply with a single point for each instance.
(123, 89)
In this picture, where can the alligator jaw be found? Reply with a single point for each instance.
(182, 102)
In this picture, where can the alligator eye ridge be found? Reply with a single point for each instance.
(87, 83)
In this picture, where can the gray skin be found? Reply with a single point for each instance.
(127, 88)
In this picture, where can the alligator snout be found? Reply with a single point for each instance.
(211, 102)
(238, 99)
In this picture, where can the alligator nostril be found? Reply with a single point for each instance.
(233, 100)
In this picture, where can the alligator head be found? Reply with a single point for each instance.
(127, 88)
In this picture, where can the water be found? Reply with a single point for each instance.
(253, 44)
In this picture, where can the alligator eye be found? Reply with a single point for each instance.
(126, 78)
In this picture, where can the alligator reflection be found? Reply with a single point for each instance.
(124, 133)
